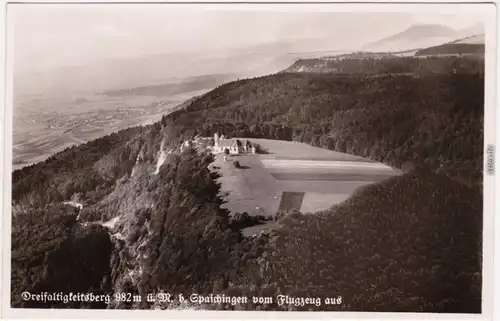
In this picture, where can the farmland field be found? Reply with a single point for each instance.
(293, 175)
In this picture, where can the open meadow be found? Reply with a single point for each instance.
(291, 175)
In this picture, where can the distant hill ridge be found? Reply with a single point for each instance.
(472, 45)
(475, 39)
(433, 60)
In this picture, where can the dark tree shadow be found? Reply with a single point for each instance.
(264, 152)
(239, 166)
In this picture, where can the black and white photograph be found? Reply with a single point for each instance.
(249, 157)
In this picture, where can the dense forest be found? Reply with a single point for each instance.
(389, 64)
(410, 243)
(51, 252)
(434, 121)
(453, 49)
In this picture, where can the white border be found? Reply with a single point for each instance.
(3, 145)
(367, 6)
(490, 101)
(489, 138)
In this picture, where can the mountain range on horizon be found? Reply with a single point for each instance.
(422, 36)
(256, 60)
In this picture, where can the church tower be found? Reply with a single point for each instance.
(216, 140)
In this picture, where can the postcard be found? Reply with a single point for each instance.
(249, 160)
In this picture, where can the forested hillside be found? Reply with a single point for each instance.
(151, 219)
(473, 45)
(408, 244)
(170, 224)
(387, 63)
(90, 169)
(434, 121)
(454, 49)
(51, 252)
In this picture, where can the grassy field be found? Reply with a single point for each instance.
(293, 176)
(252, 189)
(285, 150)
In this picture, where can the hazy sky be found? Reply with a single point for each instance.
(65, 34)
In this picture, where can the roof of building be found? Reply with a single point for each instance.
(227, 142)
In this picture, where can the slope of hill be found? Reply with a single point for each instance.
(473, 45)
(153, 223)
(161, 206)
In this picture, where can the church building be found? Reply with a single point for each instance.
(233, 146)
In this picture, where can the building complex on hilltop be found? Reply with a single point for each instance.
(220, 144)
(232, 146)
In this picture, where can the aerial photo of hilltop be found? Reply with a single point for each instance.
(283, 163)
